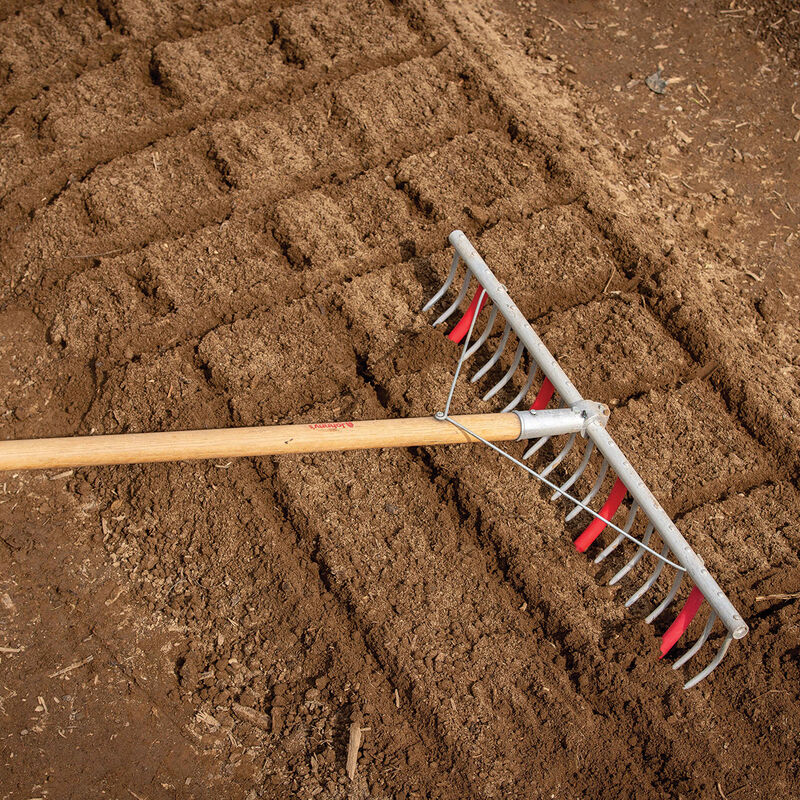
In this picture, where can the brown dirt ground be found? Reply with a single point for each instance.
(230, 213)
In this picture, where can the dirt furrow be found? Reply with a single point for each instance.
(314, 138)
(238, 588)
(295, 53)
(366, 565)
(49, 42)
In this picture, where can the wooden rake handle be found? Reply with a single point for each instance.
(137, 448)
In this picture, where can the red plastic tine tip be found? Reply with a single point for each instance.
(682, 621)
(597, 525)
(462, 329)
(543, 397)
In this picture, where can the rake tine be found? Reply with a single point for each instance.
(484, 336)
(616, 543)
(597, 525)
(457, 302)
(712, 618)
(650, 581)
(526, 388)
(560, 457)
(452, 274)
(495, 358)
(723, 648)
(676, 583)
(636, 557)
(578, 472)
(537, 445)
(509, 373)
(594, 490)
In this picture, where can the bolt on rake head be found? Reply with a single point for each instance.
(555, 388)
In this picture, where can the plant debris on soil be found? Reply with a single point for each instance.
(231, 213)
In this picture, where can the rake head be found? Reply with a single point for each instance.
(661, 544)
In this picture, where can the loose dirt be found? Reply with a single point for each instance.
(231, 213)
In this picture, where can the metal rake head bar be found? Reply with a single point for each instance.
(675, 553)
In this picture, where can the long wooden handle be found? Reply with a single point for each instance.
(135, 448)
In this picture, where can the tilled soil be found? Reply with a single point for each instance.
(231, 213)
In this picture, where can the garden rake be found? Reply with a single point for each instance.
(572, 417)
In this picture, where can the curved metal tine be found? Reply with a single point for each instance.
(484, 336)
(452, 274)
(509, 373)
(593, 491)
(578, 472)
(673, 590)
(457, 302)
(560, 457)
(495, 358)
(534, 368)
(637, 557)
(537, 445)
(616, 543)
(712, 617)
(723, 648)
(650, 581)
